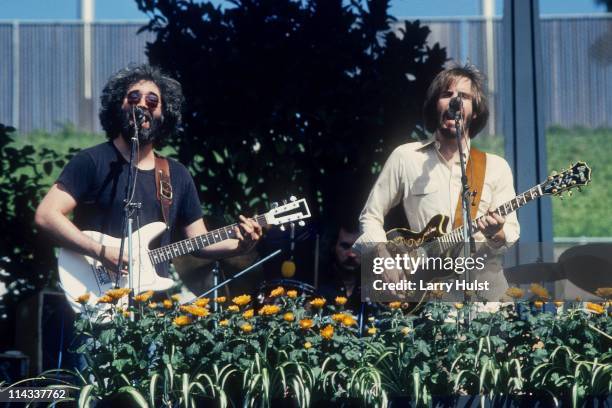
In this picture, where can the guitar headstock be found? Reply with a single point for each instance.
(288, 212)
(578, 175)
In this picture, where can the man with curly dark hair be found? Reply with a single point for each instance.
(92, 185)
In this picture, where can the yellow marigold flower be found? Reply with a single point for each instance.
(117, 293)
(372, 331)
(144, 296)
(126, 313)
(558, 303)
(327, 332)
(458, 306)
(202, 302)
(247, 328)
(605, 293)
(292, 294)
(153, 305)
(279, 291)
(288, 317)
(306, 323)
(182, 320)
(167, 304)
(349, 321)
(594, 307)
(269, 310)
(105, 299)
(233, 308)
(242, 300)
(223, 322)
(395, 305)
(307, 345)
(195, 310)
(540, 291)
(248, 314)
(176, 298)
(338, 317)
(84, 298)
(220, 299)
(538, 304)
(341, 300)
(318, 302)
(406, 331)
(515, 293)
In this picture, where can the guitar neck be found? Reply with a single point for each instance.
(456, 236)
(190, 245)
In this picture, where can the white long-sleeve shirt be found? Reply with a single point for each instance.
(426, 184)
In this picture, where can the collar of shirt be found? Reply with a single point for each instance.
(436, 143)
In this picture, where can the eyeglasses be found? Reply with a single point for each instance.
(151, 99)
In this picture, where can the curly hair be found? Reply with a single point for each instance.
(116, 88)
(442, 82)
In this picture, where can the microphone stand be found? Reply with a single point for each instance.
(130, 211)
(469, 245)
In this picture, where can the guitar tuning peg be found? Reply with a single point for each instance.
(301, 223)
(292, 198)
(274, 205)
(282, 228)
(573, 182)
(284, 202)
(555, 191)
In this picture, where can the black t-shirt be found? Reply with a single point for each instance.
(97, 179)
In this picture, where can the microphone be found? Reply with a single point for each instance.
(140, 115)
(454, 106)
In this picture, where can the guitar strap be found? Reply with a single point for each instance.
(163, 186)
(475, 171)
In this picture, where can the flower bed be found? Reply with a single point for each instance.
(306, 351)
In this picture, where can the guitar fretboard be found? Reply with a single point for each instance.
(190, 245)
(445, 242)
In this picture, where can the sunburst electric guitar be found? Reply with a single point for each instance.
(80, 274)
(432, 241)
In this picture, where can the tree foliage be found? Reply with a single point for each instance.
(290, 96)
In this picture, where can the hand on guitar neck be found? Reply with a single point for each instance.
(492, 227)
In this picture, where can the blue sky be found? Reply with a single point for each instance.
(127, 10)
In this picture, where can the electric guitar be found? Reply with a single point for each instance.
(432, 241)
(80, 274)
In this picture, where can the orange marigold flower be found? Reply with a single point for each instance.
(220, 299)
(594, 307)
(318, 302)
(338, 317)
(558, 303)
(341, 300)
(242, 300)
(248, 314)
(349, 321)
(515, 293)
(182, 320)
(126, 313)
(195, 310)
(105, 299)
(395, 305)
(167, 304)
(144, 296)
(540, 291)
(269, 310)
(288, 317)
(306, 324)
(153, 305)
(307, 345)
(233, 308)
(224, 322)
(538, 304)
(372, 331)
(279, 291)
(292, 294)
(117, 293)
(247, 328)
(202, 302)
(84, 298)
(327, 332)
(605, 293)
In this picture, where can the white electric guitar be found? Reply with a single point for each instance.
(80, 274)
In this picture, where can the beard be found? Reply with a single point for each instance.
(448, 133)
(145, 135)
